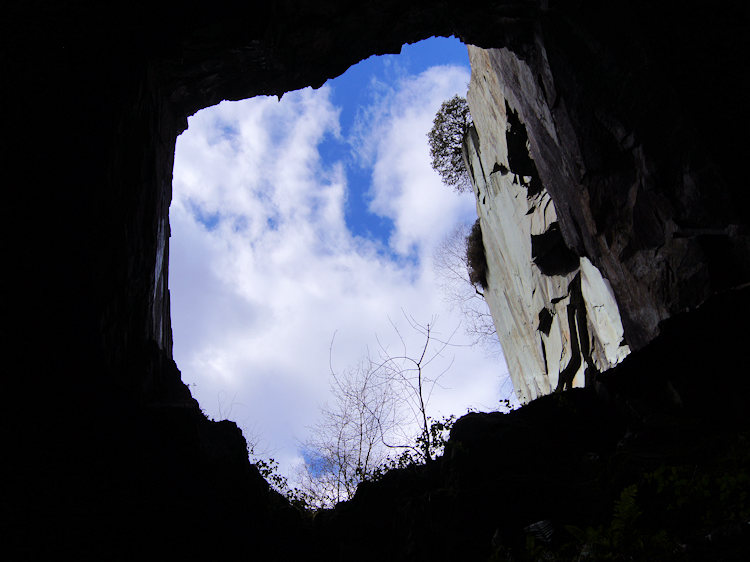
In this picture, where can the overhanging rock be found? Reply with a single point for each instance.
(555, 314)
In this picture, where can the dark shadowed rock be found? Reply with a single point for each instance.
(106, 454)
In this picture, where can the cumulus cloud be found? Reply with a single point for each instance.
(405, 189)
(264, 271)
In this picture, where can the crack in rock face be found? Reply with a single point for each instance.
(550, 253)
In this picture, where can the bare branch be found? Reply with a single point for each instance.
(450, 261)
(374, 406)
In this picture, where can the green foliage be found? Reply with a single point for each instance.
(626, 537)
(446, 139)
(675, 512)
(710, 496)
(439, 431)
(269, 469)
(625, 518)
(476, 260)
(306, 501)
(375, 404)
(506, 405)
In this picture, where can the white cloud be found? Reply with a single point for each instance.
(405, 188)
(258, 293)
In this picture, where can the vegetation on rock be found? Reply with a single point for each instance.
(476, 260)
(367, 429)
(446, 139)
(452, 271)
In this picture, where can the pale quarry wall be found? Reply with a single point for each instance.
(556, 316)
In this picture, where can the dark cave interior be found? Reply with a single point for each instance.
(110, 457)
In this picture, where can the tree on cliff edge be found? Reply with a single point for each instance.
(446, 138)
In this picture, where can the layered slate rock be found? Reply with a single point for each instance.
(633, 189)
(610, 189)
(556, 316)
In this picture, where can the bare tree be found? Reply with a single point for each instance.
(375, 407)
(407, 373)
(450, 261)
(345, 444)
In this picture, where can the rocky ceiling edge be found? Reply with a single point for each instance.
(114, 451)
(620, 81)
(113, 88)
(285, 46)
(93, 102)
(129, 79)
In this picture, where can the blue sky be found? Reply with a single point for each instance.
(361, 87)
(316, 215)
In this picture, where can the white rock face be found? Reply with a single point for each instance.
(556, 316)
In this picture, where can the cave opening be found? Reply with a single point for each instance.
(107, 457)
(303, 238)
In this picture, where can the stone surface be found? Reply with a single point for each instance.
(627, 186)
(555, 315)
(598, 190)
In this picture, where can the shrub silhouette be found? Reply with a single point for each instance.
(476, 261)
(446, 139)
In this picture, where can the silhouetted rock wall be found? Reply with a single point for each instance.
(107, 453)
(547, 481)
